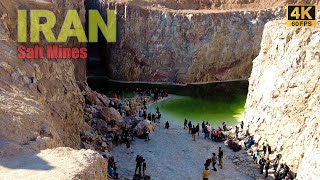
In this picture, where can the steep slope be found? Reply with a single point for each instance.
(284, 96)
(41, 106)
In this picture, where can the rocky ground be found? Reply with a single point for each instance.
(171, 154)
(59, 163)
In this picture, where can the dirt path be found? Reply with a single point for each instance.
(171, 154)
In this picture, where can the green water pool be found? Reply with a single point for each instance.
(213, 102)
(177, 108)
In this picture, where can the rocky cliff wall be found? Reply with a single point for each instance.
(41, 104)
(284, 96)
(185, 46)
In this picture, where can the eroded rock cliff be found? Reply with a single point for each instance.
(185, 46)
(284, 96)
(42, 106)
(41, 103)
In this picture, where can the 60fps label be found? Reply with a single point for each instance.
(301, 15)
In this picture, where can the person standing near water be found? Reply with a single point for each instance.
(203, 125)
(198, 128)
(153, 117)
(224, 126)
(185, 124)
(156, 118)
(208, 130)
(205, 131)
(167, 125)
(190, 126)
(159, 117)
(241, 125)
(237, 132)
(194, 132)
(220, 156)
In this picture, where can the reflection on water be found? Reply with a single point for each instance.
(214, 102)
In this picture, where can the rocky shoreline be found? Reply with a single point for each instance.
(104, 123)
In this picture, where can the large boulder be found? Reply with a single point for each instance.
(101, 125)
(110, 114)
(92, 98)
(143, 126)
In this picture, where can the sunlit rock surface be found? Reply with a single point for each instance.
(284, 96)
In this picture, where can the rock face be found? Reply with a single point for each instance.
(185, 46)
(59, 163)
(41, 104)
(284, 96)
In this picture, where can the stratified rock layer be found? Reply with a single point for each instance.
(284, 96)
(174, 46)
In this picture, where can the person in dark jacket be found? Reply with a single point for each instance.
(264, 148)
(144, 167)
(237, 132)
(128, 145)
(149, 116)
(262, 162)
(194, 132)
(203, 125)
(190, 126)
(220, 157)
(185, 124)
(214, 161)
(207, 163)
(153, 117)
(241, 125)
(267, 166)
(198, 129)
(269, 149)
(167, 125)
(138, 164)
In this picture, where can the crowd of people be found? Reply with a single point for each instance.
(260, 155)
(153, 117)
(124, 107)
(209, 132)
